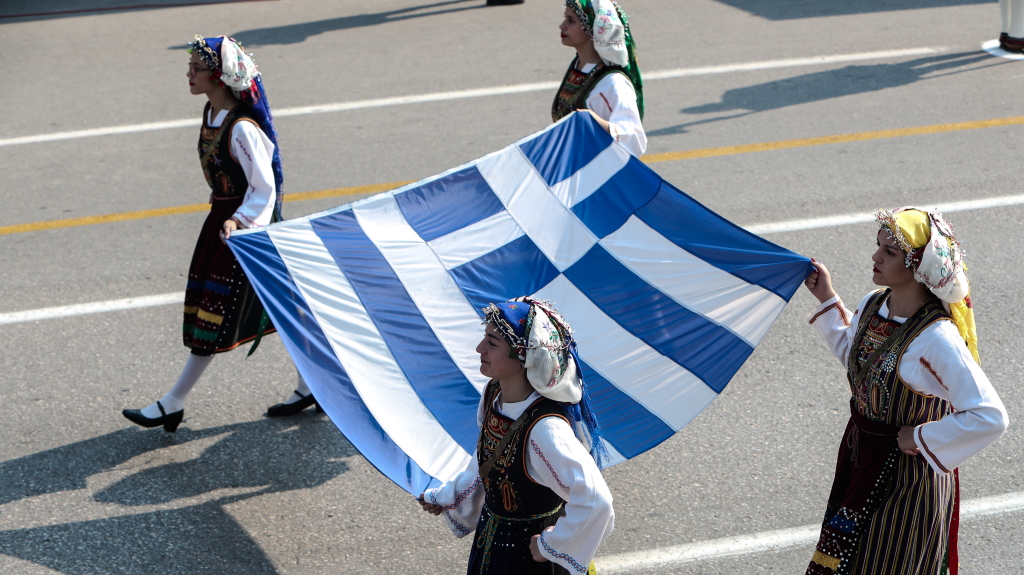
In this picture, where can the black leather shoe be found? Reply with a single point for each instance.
(284, 409)
(169, 421)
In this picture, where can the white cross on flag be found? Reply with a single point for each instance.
(378, 301)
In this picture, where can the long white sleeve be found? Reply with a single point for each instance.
(614, 100)
(253, 150)
(938, 363)
(557, 460)
(462, 499)
(838, 325)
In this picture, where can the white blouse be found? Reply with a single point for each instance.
(253, 150)
(613, 98)
(936, 363)
(557, 460)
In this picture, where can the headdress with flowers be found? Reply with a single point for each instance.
(608, 26)
(231, 66)
(542, 341)
(937, 260)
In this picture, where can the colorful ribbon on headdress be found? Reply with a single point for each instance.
(608, 25)
(542, 340)
(937, 260)
(234, 68)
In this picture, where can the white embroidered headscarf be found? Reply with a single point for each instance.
(542, 340)
(225, 55)
(935, 257)
(601, 20)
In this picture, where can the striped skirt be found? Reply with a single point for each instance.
(889, 513)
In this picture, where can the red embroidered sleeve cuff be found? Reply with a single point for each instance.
(932, 459)
(837, 305)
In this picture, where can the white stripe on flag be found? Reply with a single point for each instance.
(591, 177)
(475, 240)
(614, 457)
(362, 351)
(559, 234)
(451, 317)
(662, 386)
(742, 308)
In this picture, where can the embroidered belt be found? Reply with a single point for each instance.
(493, 519)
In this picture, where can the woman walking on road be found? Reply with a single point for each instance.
(604, 77)
(534, 492)
(921, 404)
(240, 159)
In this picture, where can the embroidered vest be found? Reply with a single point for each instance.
(882, 396)
(576, 87)
(223, 173)
(510, 492)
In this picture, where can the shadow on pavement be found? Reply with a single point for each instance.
(188, 541)
(29, 10)
(817, 86)
(794, 9)
(298, 33)
(279, 455)
(284, 454)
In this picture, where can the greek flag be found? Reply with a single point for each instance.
(378, 301)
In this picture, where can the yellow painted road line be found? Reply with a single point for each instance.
(649, 159)
(191, 208)
(838, 139)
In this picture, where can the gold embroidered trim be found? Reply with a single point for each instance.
(212, 318)
(827, 561)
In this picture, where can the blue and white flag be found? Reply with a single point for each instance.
(378, 301)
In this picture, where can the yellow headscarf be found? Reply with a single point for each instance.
(939, 266)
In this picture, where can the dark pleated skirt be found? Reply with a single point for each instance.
(222, 310)
(510, 549)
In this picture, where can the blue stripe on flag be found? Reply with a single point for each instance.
(450, 203)
(438, 381)
(706, 349)
(560, 151)
(316, 361)
(612, 204)
(515, 269)
(626, 424)
(723, 244)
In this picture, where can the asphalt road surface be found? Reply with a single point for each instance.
(82, 491)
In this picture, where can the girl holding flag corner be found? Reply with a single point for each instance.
(921, 403)
(534, 493)
(239, 156)
(604, 77)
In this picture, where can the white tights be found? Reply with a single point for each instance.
(190, 374)
(175, 398)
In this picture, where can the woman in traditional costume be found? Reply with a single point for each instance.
(604, 77)
(239, 155)
(534, 491)
(921, 404)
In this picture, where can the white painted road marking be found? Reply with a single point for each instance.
(759, 229)
(483, 92)
(675, 555)
(831, 221)
(88, 308)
